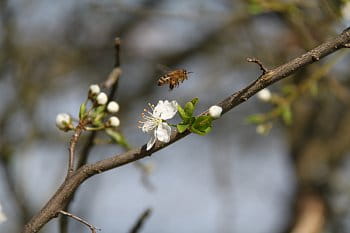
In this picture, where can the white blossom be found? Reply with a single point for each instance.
(113, 121)
(155, 124)
(215, 111)
(264, 95)
(113, 107)
(102, 98)
(3, 217)
(94, 89)
(64, 121)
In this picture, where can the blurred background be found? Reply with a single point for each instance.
(283, 170)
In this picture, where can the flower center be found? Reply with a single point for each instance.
(150, 121)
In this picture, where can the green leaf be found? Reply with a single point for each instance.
(118, 138)
(189, 108)
(195, 101)
(182, 127)
(287, 115)
(100, 109)
(182, 113)
(202, 125)
(82, 111)
(202, 122)
(255, 119)
(200, 132)
(97, 120)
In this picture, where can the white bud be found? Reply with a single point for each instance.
(215, 111)
(94, 89)
(113, 107)
(102, 98)
(264, 95)
(260, 129)
(3, 217)
(63, 121)
(263, 129)
(113, 121)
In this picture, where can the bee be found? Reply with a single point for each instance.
(173, 78)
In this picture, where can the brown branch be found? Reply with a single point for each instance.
(73, 142)
(141, 221)
(110, 83)
(259, 63)
(92, 228)
(69, 186)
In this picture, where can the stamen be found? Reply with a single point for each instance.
(151, 106)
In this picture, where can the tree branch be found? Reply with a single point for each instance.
(110, 83)
(92, 228)
(140, 221)
(66, 190)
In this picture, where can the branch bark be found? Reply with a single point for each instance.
(67, 189)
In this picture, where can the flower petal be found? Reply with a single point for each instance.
(151, 142)
(148, 126)
(165, 109)
(163, 132)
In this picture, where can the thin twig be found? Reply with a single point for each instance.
(67, 189)
(92, 228)
(73, 142)
(112, 80)
(141, 221)
(112, 83)
(257, 61)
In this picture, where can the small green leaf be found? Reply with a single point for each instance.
(202, 122)
(200, 132)
(118, 138)
(82, 111)
(182, 127)
(182, 113)
(97, 120)
(287, 115)
(189, 108)
(195, 101)
(255, 119)
(202, 125)
(100, 109)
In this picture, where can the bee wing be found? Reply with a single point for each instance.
(163, 68)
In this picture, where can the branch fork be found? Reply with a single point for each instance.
(260, 64)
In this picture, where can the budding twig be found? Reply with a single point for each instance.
(92, 228)
(257, 61)
(112, 80)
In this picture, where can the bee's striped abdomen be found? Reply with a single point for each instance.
(173, 78)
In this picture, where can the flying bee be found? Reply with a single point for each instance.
(173, 78)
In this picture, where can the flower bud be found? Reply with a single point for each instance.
(94, 89)
(64, 121)
(215, 111)
(113, 122)
(264, 95)
(102, 98)
(263, 129)
(113, 107)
